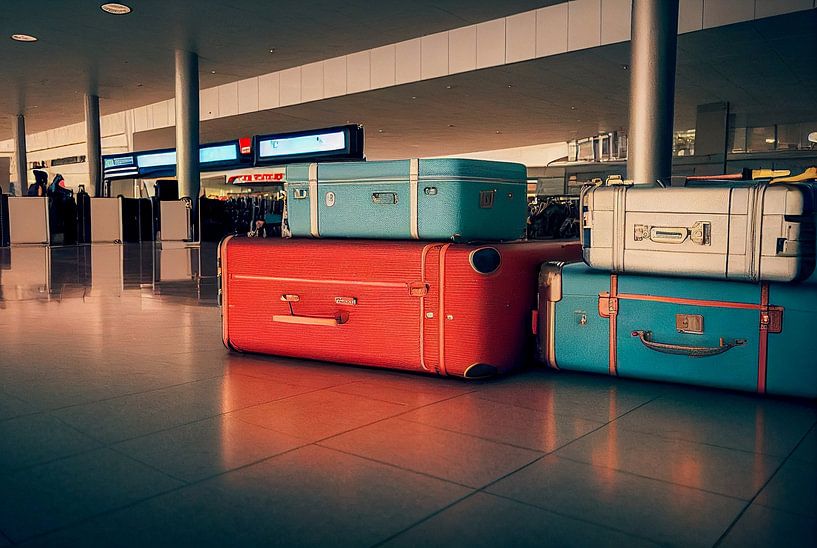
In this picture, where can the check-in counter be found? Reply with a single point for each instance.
(29, 220)
(106, 220)
(4, 220)
(174, 221)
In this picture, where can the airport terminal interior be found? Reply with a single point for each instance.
(517, 273)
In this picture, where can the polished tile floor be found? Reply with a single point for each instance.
(123, 421)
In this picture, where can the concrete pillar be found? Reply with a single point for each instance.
(187, 126)
(20, 161)
(652, 90)
(93, 140)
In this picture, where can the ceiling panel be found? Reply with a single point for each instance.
(128, 59)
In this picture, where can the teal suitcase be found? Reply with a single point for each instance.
(438, 199)
(736, 335)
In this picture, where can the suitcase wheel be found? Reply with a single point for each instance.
(480, 371)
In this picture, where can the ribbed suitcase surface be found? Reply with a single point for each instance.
(402, 305)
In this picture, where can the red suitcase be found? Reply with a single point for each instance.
(440, 308)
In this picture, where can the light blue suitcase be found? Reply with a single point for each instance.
(439, 199)
(744, 336)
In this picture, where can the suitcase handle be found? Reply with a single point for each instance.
(312, 320)
(700, 233)
(684, 350)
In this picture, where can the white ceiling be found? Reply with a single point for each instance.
(128, 60)
(765, 69)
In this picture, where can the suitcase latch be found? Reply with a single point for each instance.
(608, 306)
(689, 323)
(290, 298)
(384, 198)
(299, 193)
(418, 289)
(772, 319)
(700, 233)
(486, 198)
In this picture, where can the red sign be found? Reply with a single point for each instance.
(245, 145)
(257, 178)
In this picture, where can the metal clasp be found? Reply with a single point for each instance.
(689, 323)
(418, 289)
(486, 199)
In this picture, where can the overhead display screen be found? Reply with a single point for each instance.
(303, 145)
(336, 143)
(156, 159)
(218, 153)
(162, 163)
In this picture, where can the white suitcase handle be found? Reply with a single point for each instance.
(684, 350)
(335, 321)
(700, 233)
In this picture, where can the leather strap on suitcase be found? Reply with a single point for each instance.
(770, 320)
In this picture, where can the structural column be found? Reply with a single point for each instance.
(20, 161)
(652, 90)
(93, 140)
(187, 126)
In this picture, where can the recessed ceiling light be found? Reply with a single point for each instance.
(115, 9)
(769, 141)
(212, 72)
(625, 67)
(380, 131)
(272, 50)
(572, 108)
(23, 38)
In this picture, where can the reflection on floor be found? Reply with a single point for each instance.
(123, 421)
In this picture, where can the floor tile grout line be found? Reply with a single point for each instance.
(424, 519)
(475, 436)
(103, 444)
(541, 411)
(703, 443)
(601, 426)
(133, 503)
(335, 389)
(566, 415)
(398, 415)
(395, 466)
(158, 389)
(148, 465)
(191, 484)
(751, 501)
(577, 518)
(659, 480)
(222, 414)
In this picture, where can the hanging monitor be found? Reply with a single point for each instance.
(162, 163)
(336, 143)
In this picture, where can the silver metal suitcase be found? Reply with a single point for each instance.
(745, 232)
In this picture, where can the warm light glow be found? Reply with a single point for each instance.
(115, 9)
(812, 136)
(23, 38)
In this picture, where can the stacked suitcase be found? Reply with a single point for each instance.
(338, 291)
(713, 284)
